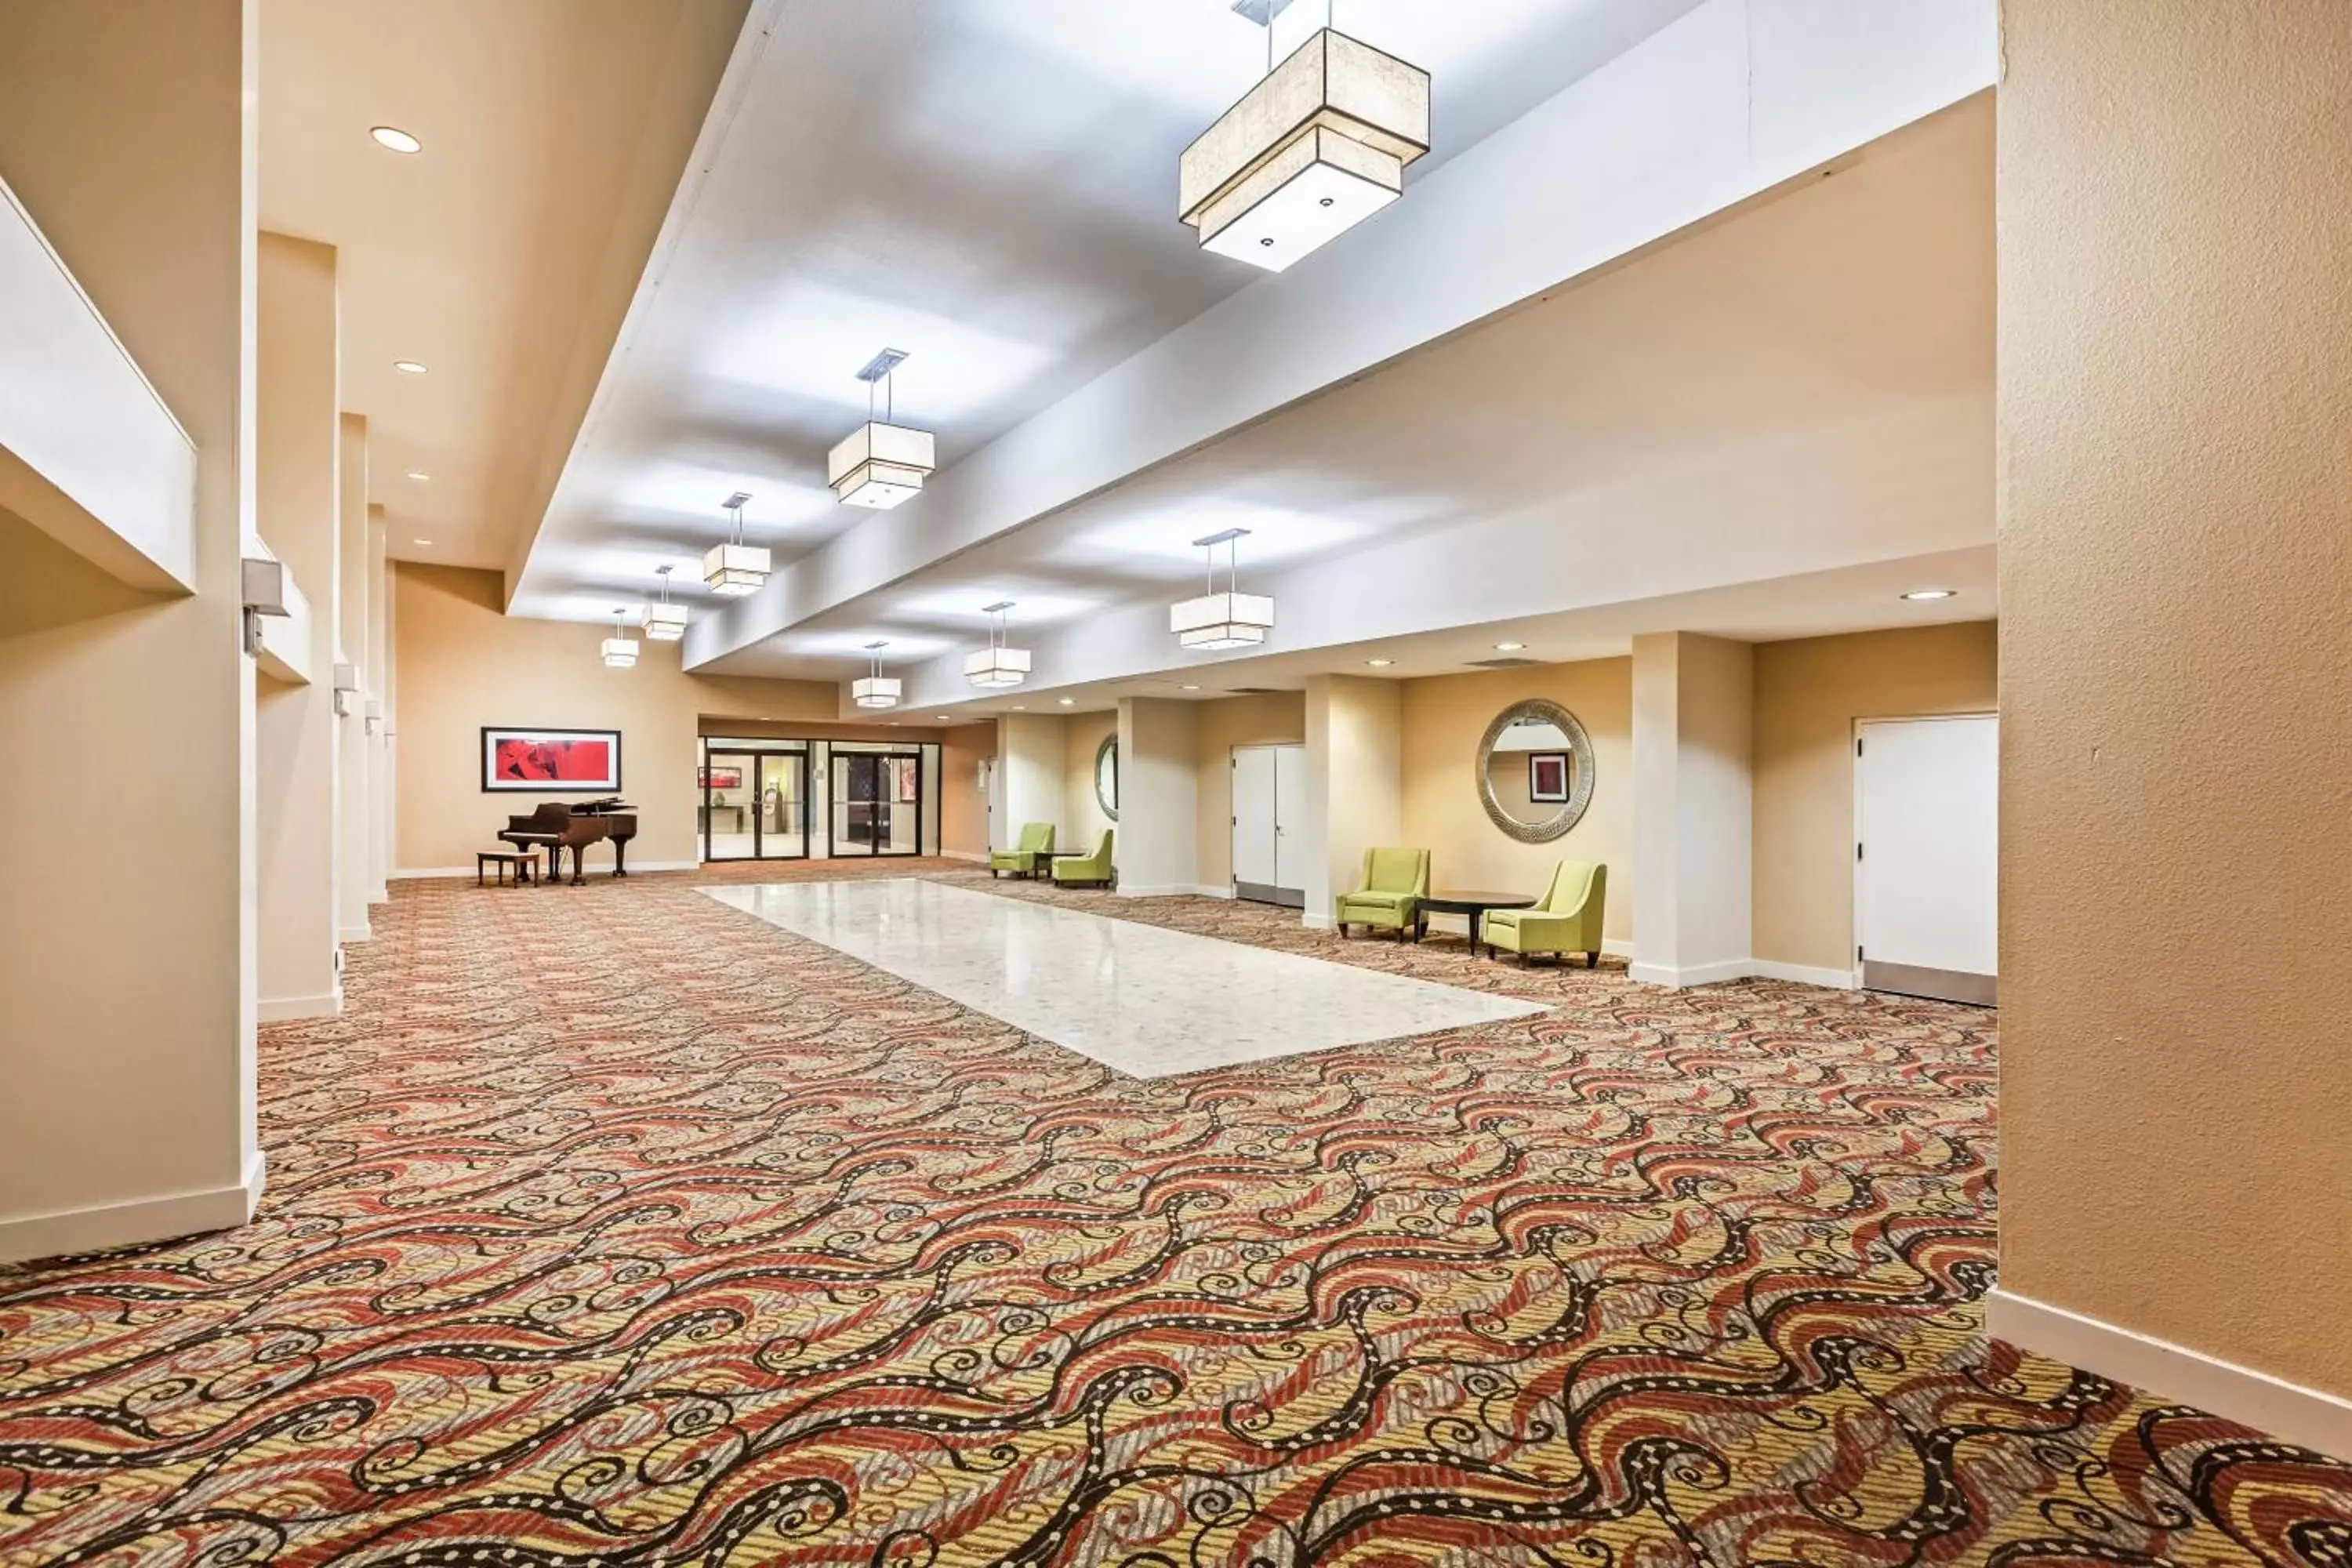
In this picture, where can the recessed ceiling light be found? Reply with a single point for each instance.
(1192, 688)
(420, 476)
(1932, 594)
(1380, 663)
(1069, 702)
(408, 367)
(1508, 647)
(392, 139)
(940, 717)
(420, 541)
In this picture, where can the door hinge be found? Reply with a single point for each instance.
(1857, 849)
(1858, 952)
(1857, 745)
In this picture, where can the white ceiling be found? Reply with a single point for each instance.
(503, 256)
(988, 186)
(1798, 397)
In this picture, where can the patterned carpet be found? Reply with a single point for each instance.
(613, 1227)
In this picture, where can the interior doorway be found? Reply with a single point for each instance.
(754, 804)
(1269, 818)
(877, 804)
(1926, 872)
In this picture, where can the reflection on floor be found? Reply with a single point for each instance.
(1147, 1001)
(610, 1225)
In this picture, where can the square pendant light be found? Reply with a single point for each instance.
(621, 653)
(735, 570)
(876, 689)
(663, 622)
(997, 667)
(878, 466)
(1318, 145)
(1222, 620)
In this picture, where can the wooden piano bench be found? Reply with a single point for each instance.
(524, 863)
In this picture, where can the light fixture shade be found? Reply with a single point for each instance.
(621, 653)
(996, 667)
(734, 570)
(1318, 145)
(1222, 620)
(878, 466)
(664, 622)
(875, 691)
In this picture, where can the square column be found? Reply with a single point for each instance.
(1693, 717)
(1355, 782)
(1029, 769)
(1158, 847)
(297, 750)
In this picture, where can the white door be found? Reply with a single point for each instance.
(1289, 822)
(1926, 833)
(1255, 857)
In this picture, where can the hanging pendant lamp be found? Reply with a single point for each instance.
(1230, 619)
(736, 569)
(997, 666)
(880, 464)
(663, 621)
(878, 690)
(620, 649)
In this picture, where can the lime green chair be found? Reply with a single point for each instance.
(1026, 858)
(1567, 920)
(1395, 881)
(1094, 868)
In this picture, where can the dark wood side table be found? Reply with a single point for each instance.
(1469, 902)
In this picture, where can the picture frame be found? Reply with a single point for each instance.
(1548, 777)
(721, 777)
(524, 761)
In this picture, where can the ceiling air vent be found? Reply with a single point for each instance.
(1502, 663)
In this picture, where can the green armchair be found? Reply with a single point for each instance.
(1567, 920)
(1027, 856)
(1394, 882)
(1094, 868)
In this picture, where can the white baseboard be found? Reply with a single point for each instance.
(140, 1220)
(1203, 890)
(286, 1009)
(1315, 920)
(1803, 973)
(1615, 949)
(1153, 889)
(363, 933)
(2302, 1415)
(1694, 974)
(433, 873)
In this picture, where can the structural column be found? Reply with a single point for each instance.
(296, 754)
(2176, 690)
(1029, 768)
(354, 809)
(126, 954)
(1159, 812)
(1355, 782)
(1694, 717)
(377, 710)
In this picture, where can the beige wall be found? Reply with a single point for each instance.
(463, 665)
(2175, 666)
(1082, 814)
(1443, 717)
(1276, 719)
(126, 956)
(1809, 692)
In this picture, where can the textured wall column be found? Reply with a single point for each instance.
(1693, 866)
(1158, 843)
(126, 957)
(354, 810)
(2176, 674)
(297, 755)
(1355, 782)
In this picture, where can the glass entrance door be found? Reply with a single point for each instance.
(877, 803)
(754, 806)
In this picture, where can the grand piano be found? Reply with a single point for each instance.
(558, 825)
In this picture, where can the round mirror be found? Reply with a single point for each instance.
(1534, 771)
(1106, 776)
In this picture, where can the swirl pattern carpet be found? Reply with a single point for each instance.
(610, 1225)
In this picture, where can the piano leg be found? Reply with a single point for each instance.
(579, 863)
(620, 856)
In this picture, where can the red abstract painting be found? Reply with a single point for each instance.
(550, 760)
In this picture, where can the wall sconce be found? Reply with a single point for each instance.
(263, 584)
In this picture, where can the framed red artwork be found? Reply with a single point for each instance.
(718, 778)
(550, 762)
(1547, 775)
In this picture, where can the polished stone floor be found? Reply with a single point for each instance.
(1144, 1000)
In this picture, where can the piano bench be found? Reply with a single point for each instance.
(524, 864)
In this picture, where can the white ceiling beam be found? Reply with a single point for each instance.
(1734, 99)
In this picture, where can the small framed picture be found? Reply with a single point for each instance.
(550, 761)
(721, 778)
(1547, 776)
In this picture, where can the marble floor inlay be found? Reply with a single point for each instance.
(1145, 1000)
